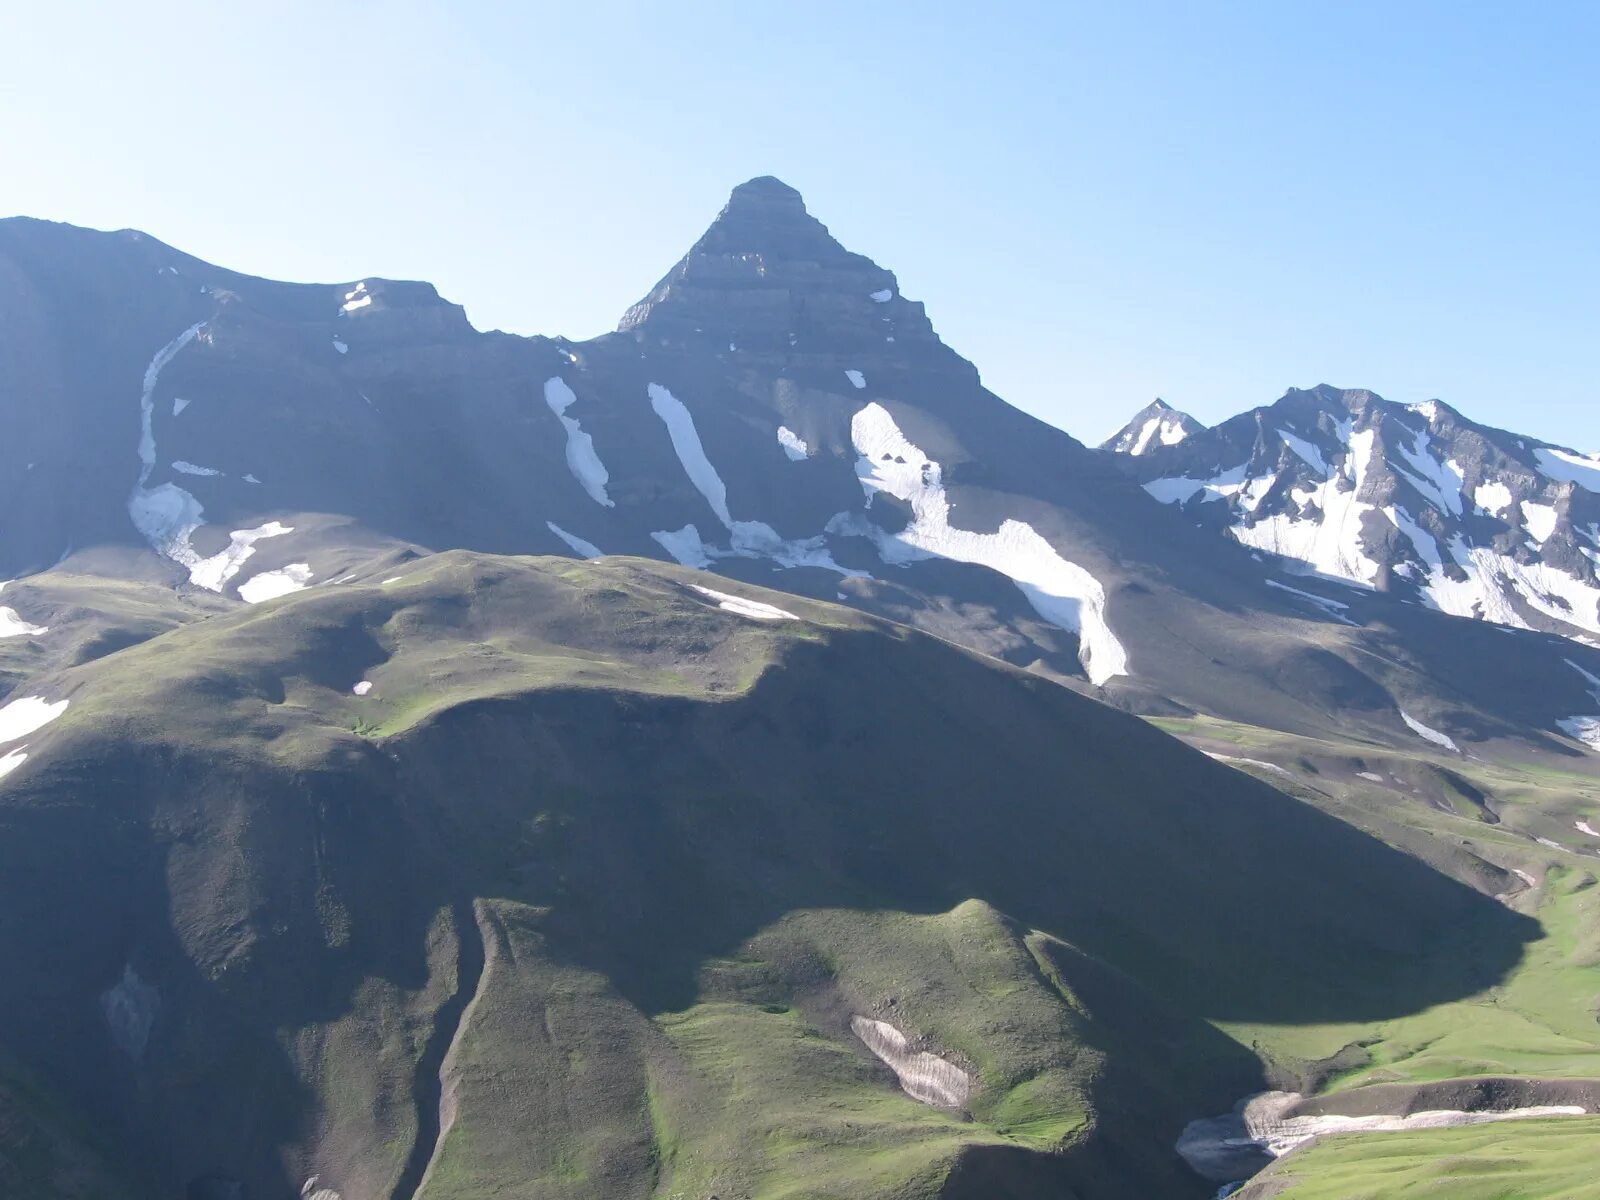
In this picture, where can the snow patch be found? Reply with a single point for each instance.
(1182, 489)
(1440, 482)
(923, 1076)
(1581, 469)
(362, 688)
(582, 459)
(856, 378)
(684, 545)
(1582, 729)
(1333, 608)
(341, 347)
(747, 539)
(793, 444)
(753, 609)
(189, 468)
(356, 298)
(1492, 580)
(21, 717)
(178, 405)
(213, 572)
(1427, 733)
(13, 759)
(1308, 453)
(1061, 592)
(269, 585)
(883, 295)
(1492, 498)
(579, 547)
(1539, 520)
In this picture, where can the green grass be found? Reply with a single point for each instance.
(1514, 1160)
(1538, 1020)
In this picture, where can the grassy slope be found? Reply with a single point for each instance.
(1541, 1019)
(700, 843)
(1518, 1160)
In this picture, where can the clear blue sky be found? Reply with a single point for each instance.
(1100, 203)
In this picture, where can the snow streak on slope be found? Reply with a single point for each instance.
(753, 609)
(165, 515)
(1583, 728)
(1427, 733)
(925, 1077)
(691, 454)
(1333, 608)
(747, 539)
(582, 459)
(1060, 591)
(579, 547)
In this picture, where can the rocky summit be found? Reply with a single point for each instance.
(741, 756)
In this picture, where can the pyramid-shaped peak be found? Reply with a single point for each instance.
(767, 278)
(1155, 425)
(766, 192)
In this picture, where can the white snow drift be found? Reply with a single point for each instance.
(923, 1076)
(1062, 592)
(580, 547)
(753, 609)
(582, 459)
(21, 717)
(793, 444)
(271, 584)
(746, 539)
(1428, 734)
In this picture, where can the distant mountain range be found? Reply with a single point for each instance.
(437, 765)
(1418, 501)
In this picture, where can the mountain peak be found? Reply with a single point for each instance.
(767, 278)
(766, 191)
(1157, 423)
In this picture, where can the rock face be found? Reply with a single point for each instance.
(768, 281)
(1415, 501)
